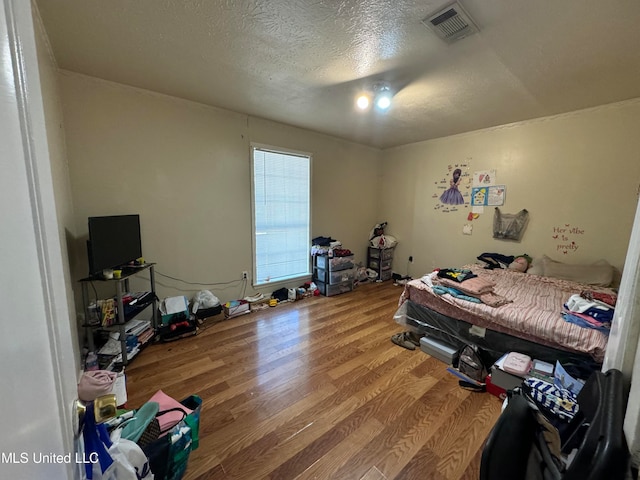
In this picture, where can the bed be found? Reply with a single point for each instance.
(531, 323)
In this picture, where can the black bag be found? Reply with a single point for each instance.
(471, 364)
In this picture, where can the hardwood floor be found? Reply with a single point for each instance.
(316, 389)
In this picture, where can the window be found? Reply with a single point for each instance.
(281, 214)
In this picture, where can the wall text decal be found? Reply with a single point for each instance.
(567, 236)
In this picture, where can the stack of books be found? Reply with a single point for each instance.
(140, 329)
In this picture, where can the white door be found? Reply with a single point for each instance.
(38, 373)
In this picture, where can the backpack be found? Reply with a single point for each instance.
(470, 363)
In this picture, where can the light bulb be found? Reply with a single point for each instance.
(383, 101)
(362, 102)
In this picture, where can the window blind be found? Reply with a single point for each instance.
(281, 215)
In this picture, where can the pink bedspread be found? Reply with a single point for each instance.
(534, 314)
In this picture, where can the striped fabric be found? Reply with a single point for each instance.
(534, 314)
(559, 401)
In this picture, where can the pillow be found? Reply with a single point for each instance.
(537, 265)
(599, 273)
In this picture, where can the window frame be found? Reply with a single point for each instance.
(253, 146)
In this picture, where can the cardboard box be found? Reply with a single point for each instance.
(235, 307)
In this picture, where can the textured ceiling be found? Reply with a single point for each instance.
(302, 62)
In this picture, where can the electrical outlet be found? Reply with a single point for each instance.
(245, 275)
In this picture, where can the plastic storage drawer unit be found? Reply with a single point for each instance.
(342, 276)
(330, 290)
(386, 275)
(382, 265)
(382, 253)
(334, 263)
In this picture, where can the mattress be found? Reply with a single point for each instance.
(533, 314)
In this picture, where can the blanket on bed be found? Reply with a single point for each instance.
(534, 314)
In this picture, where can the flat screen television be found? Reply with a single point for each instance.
(113, 241)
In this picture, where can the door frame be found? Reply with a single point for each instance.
(40, 371)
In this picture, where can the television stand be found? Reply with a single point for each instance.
(122, 323)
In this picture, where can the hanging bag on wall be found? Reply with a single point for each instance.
(509, 226)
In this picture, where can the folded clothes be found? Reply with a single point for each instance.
(607, 298)
(592, 308)
(454, 292)
(578, 319)
(488, 298)
(578, 304)
(456, 274)
(493, 299)
(473, 286)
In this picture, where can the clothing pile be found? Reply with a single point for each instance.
(328, 246)
(591, 309)
(465, 285)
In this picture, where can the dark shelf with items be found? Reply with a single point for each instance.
(124, 313)
(129, 314)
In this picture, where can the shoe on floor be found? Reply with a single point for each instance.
(402, 340)
(413, 338)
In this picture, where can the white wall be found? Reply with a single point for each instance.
(185, 168)
(580, 169)
(59, 167)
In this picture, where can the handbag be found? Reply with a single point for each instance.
(153, 431)
(169, 452)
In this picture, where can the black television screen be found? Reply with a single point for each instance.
(113, 241)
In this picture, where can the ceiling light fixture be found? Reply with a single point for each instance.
(379, 96)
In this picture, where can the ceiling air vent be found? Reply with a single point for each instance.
(451, 23)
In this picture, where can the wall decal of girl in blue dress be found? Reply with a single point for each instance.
(452, 195)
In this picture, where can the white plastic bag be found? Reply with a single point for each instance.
(384, 241)
(108, 459)
(204, 299)
(129, 463)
